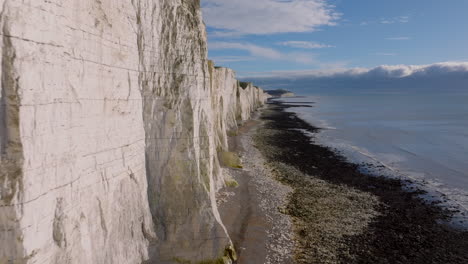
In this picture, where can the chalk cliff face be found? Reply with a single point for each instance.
(111, 118)
(233, 103)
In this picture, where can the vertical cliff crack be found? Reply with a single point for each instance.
(129, 86)
(103, 220)
(104, 16)
(3, 121)
(58, 232)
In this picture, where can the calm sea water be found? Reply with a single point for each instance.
(420, 136)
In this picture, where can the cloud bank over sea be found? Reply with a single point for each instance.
(445, 76)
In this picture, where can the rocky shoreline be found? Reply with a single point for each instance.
(339, 214)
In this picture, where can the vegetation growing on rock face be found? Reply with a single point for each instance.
(244, 85)
(181, 261)
(214, 261)
(231, 183)
(232, 133)
(230, 159)
(229, 255)
(221, 260)
(166, 120)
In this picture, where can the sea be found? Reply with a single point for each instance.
(414, 135)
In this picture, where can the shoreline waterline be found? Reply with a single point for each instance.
(383, 221)
(368, 146)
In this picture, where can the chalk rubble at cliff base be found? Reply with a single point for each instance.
(111, 118)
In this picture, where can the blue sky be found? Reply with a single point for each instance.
(254, 36)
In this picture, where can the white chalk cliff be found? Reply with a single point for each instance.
(111, 118)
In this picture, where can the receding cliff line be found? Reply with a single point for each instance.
(111, 121)
(179, 152)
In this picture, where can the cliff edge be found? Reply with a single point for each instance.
(111, 120)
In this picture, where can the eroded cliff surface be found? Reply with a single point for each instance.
(73, 172)
(111, 119)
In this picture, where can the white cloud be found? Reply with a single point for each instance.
(225, 34)
(240, 17)
(387, 21)
(439, 77)
(223, 59)
(254, 50)
(304, 44)
(389, 71)
(393, 20)
(398, 38)
(323, 69)
(400, 71)
(263, 52)
(403, 19)
(385, 54)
